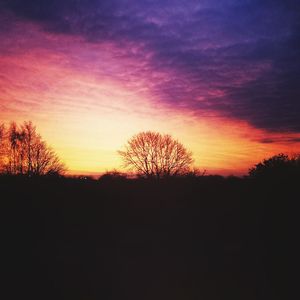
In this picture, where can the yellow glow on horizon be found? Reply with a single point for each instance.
(87, 109)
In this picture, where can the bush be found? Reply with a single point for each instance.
(277, 166)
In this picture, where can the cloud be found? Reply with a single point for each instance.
(237, 58)
(281, 140)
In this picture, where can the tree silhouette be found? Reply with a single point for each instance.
(24, 152)
(277, 166)
(2, 143)
(152, 154)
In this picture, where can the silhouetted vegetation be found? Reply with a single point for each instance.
(279, 166)
(23, 152)
(155, 155)
(113, 175)
(192, 236)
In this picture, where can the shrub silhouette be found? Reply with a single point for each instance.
(152, 154)
(277, 166)
(112, 176)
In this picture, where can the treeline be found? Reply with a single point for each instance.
(24, 152)
(277, 166)
(148, 154)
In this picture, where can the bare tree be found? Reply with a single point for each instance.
(2, 145)
(15, 149)
(153, 154)
(26, 152)
(43, 159)
(31, 139)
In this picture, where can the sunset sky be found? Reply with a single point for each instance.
(221, 76)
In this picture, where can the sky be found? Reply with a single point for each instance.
(221, 76)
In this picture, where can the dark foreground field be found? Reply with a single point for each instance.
(196, 238)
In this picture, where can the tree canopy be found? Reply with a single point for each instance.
(152, 154)
(280, 165)
(23, 151)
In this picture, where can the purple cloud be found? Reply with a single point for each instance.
(239, 58)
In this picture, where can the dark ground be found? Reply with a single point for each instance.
(189, 238)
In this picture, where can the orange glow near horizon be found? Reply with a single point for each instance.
(86, 114)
